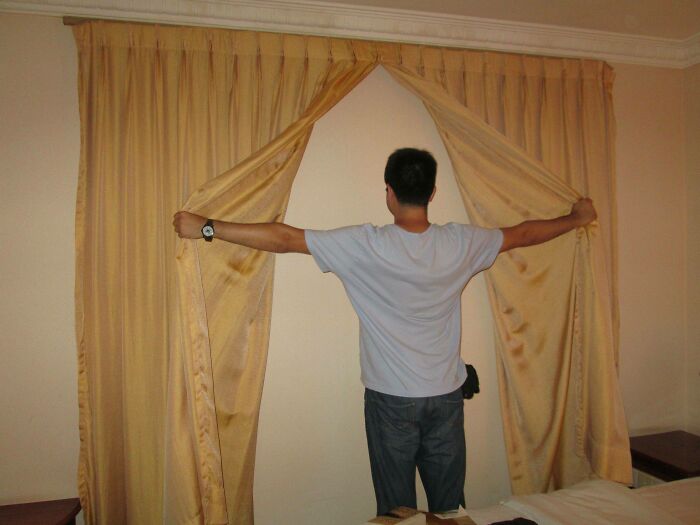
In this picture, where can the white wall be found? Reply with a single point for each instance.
(312, 453)
(692, 128)
(313, 399)
(652, 245)
(39, 148)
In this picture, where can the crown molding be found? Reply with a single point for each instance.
(394, 25)
(693, 50)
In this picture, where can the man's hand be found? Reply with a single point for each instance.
(188, 225)
(529, 233)
(583, 212)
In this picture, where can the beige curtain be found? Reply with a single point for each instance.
(163, 110)
(563, 419)
(172, 355)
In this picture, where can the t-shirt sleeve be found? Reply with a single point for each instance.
(335, 250)
(483, 246)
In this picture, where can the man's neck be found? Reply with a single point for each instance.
(413, 219)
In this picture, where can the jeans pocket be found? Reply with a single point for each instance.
(392, 413)
(452, 408)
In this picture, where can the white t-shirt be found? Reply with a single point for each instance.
(406, 289)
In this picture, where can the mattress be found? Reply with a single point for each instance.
(602, 502)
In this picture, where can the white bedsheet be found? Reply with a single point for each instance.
(600, 502)
(679, 498)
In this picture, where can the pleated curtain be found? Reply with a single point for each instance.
(172, 338)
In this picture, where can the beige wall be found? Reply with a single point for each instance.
(652, 245)
(312, 451)
(692, 123)
(312, 402)
(39, 146)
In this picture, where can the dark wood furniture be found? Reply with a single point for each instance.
(668, 456)
(59, 512)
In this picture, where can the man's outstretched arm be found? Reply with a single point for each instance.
(529, 233)
(270, 237)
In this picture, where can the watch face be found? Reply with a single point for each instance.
(208, 231)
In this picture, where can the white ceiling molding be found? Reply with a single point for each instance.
(693, 50)
(395, 25)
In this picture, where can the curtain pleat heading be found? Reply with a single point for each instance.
(172, 339)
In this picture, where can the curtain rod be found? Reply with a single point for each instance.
(75, 20)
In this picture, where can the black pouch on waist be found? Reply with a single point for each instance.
(471, 383)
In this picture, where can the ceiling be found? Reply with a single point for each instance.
(676, 19)
(663, 33)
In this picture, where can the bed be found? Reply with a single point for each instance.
(602, 502)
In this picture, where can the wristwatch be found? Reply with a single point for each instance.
(208, 230)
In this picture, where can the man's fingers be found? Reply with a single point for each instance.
(177, 223)
(188, 225)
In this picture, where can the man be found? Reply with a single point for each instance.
(405, 282)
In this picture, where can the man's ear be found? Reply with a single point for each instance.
(432, 194)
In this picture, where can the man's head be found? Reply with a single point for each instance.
(411, 174)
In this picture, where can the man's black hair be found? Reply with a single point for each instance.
(411, 174)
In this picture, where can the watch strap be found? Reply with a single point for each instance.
(208, 224)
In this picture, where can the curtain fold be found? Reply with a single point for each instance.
(164, 110)
(226, 302)
(172, 350)
(549, 342)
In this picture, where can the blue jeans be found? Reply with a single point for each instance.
(424, 432)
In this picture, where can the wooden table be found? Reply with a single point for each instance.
(59, 512)
(668, 456)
